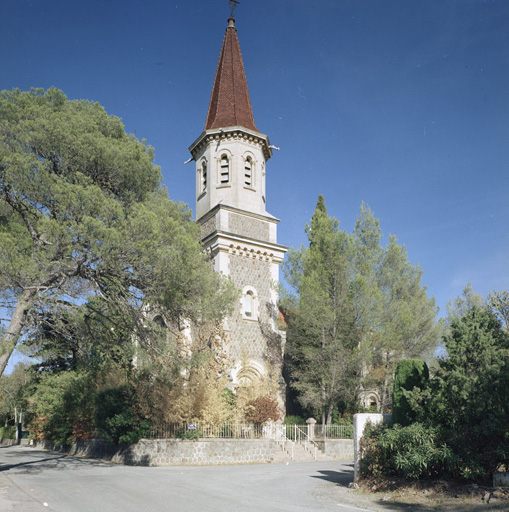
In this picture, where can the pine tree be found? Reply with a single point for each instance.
(321, 334)
(470, 399)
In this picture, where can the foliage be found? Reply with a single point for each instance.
(262, 409)
(63, 407)
(8, 432)
(117, 417)
(321, 328)
(469, 400)
(413, 452)
(199, 393)
(14, 393)
(462, 305)
(93, 336)
(465, 406)
(294, 420)
(359, 309)
(410, 374)
(498, 302)
(397, 318)
(68, 174)
(190, 434)
(82, 215)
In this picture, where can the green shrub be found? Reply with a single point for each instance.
(413, 452)
(470, 394)
(8, 432)
(294, 420)
(116, 417)
(410, 374)
(192, 434)
(63, 407)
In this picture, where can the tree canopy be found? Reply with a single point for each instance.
(359, 305)
(82, 214)
(321, 326)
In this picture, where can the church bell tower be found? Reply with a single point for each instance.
(231, 156)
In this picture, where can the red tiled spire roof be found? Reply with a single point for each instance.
(229, 102)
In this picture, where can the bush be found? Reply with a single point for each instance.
(470, 394)
(8, 432)
(412, 452)
(193, 434)
(262, 409)
(294, 420)
(63, 407)
(116, 417)
(410, 374)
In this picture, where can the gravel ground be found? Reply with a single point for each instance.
(426, 497)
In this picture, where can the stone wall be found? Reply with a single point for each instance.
(11, 442)
(338, 449)
(176, 452)
(95, 448)
(247, 339)
(208, 227)
(249, 226)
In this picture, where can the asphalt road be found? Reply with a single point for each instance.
(35, 480)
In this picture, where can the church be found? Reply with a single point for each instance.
(231, 157)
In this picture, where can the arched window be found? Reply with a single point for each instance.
(159, 320)
(204, 176)
(249, 303)
(224, 170)
(248, 171)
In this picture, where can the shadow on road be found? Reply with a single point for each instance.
(38, 461)
(342, 477)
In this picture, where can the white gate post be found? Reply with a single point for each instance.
(359, 422)
(311, 422)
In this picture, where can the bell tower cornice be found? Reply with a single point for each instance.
(237, 133)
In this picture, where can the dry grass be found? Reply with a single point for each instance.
(427, 496)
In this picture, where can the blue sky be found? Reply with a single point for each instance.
(401, 104)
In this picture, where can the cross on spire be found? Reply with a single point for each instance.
(233, 4)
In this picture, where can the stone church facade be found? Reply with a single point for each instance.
(231, 155)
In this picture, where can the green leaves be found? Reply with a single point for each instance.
(82, 214)
(321, 335)
(67, 138)
(468, 398)
(359, 308)
(413, 452)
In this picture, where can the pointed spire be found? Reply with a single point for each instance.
(229, 102)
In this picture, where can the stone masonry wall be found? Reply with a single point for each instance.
(248, 226)
(208, 227)
(176, 452)
(338, 449)
(171, 452)
(247, 339)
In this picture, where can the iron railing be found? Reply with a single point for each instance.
(205, 430)
(333, 431)
(294, 433)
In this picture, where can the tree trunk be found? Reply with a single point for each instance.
(10, 338)
(324, 394)
(385, 385)
(329, 413)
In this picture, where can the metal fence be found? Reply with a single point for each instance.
(318, 432)
(251, 431)
(203, 430)
(333, 431)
